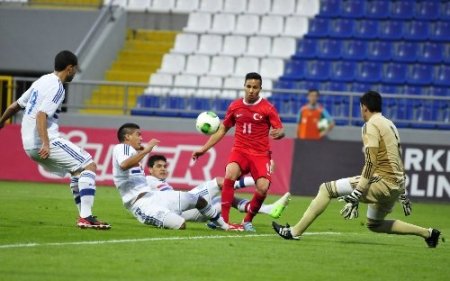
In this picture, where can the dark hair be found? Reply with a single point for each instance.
(372, 100)
(157, 157)
(313, 90)
(125, 129)
(253, 75)
(65, 58)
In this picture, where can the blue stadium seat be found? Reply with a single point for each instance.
(446, 53)
(335, 86)
(365, 29)
(379, 51)
(441, 110)
(427, 10)
(342, 71)
(404, 51)
(440, 31)
(282, 84)
(352, 9)
(414, 90)
(318, 27)
(390, 30)
(306, 48)
(442, 75)
(354, 49)
(377, 9)
(329, 49)
(306, 85)
(358, 87)
(444, 14)
(389, 89)
(294, 70)
(394, 73)
(368, 72)
(419, 74)
(415, 30)
(439, 91)
(430, 52)
(402, 9)
(202, 104)
(341, 28)
(329, 8)
(317, 70)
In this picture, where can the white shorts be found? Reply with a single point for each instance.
(163, 209)
(65, 157)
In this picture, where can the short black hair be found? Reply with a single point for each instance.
(125, 129)
(157, 157)
(313, 90)
(253, 75)
(65, 58)
(372, 100)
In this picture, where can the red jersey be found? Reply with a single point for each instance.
(253, 122)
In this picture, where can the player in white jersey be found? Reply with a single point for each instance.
(210, 190)
(43, 144)
(151, 207)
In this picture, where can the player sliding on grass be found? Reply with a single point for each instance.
(210, 190)
(152, 207)
(41, 140)
(381, 183)
(256, 120)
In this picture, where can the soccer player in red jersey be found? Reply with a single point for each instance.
(255, 119)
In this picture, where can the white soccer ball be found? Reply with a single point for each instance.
(323, 124)
(207, 123)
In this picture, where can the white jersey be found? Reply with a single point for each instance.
(46, 94)
(157, 184)
(131, 182)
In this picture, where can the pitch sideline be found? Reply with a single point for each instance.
(114, 241)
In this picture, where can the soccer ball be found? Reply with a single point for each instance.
(207, 123)
(323, 124)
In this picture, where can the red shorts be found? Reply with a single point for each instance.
(257, 166)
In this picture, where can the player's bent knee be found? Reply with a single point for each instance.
(374, 225)
(91, 167)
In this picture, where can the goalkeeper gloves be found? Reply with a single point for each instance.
(350, 210)
(406, 204)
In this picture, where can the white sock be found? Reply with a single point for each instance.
(241, 204)
(265, 209)
(244, 182)
(75, 191)
(211, 213)
(86, 184)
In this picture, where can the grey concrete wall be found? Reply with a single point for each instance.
(30, 38)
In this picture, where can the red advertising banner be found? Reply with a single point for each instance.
(177, 147)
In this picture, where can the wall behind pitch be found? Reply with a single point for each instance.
(427, 167)
(30, 38)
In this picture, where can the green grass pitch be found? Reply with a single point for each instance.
(39, 241)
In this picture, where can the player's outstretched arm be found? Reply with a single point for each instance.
(277, 134)
(9, 112)
(134, 160)
(215, 138)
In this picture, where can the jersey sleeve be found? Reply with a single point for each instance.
(274, 118)
(326, 115)
(122, 152)
(53, 100)
(23, 100)
(229, 120)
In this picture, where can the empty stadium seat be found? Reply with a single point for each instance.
(352, 9)
(271, 68)
(366, 29)
(172, 63)
(209, 86)
(318, 27)
(341, 28)
(415, 30)
(440, 31)
(234, 45)
(186, 6)
(307, 8)
(197, 64)
(329, 8)
(379, 51)
(444, 11)
(260, 7)
(235, 6)
(394, 73)
(211, 6)
(210, 44)
(377, 9)
(184, 80)
(247, 24)
(245, 65)
(223, 24)
(430, 52)
(162, 6)
(442, 75)
(294, 70)
(317, 70)
(368, 72)
(259, 46)
(342, 71)
(404, 51)
(185, 43)
(160, 84)
(402, 9)
(354, 50)
(138, 5)
(230, 84)
(283, 7)
(427, 10)
(296, 26)
(198, 22)
(222, 66)
(283, 47)
(419, 74)
(306, 48)
(390, 30)
(389, 89)
(271, 25)
(329, 49)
